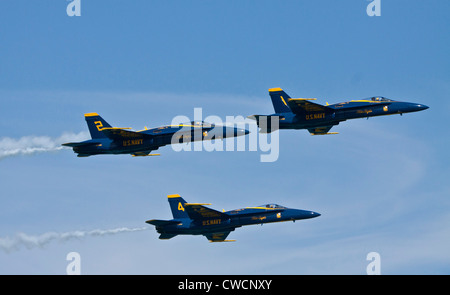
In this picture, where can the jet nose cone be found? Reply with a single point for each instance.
(242, 132)
(421, 107)
(314, 214)
(304, 214)
(408, 107)
(233, 132)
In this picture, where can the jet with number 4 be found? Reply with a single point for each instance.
(302, 113)
(116, 140)
(196, 219)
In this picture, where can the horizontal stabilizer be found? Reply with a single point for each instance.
(77, 144)
(158, 222)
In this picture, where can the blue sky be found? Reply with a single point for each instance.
(381, 185)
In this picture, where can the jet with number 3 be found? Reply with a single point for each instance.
(196, 219)
(116, 140)
(302, 113)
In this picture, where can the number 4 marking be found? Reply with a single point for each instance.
(180, 207)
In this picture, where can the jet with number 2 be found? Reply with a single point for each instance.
(116, 140)
(302, 113)
(196, 219)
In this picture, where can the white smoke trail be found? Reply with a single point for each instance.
(28, 145)
(9, 244)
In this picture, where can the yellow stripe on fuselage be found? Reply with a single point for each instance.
(363, 100)
(117, 128)
(302, 99)
(182, 125)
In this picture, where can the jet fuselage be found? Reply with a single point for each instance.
(302, 113)
(237, 218)
(113, 140)
(345, 111)
(196, 219)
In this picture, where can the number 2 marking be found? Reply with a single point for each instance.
(99, 125)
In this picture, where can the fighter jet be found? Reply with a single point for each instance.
(196, 219)
(116, 140)
(302, 113)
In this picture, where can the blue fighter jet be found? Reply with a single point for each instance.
(196, 219)
(302, 113)
(116, 140)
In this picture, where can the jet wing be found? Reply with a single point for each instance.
(198, 211)
(218, 237)
(301, 106)
(144, 154)
(120, 134)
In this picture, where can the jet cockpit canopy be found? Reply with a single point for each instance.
(199, 124)
(273, 206)
(379, 98)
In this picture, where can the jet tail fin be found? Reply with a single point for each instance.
(177, 206)
(279, 100)
(283, 103)
(96, 124)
